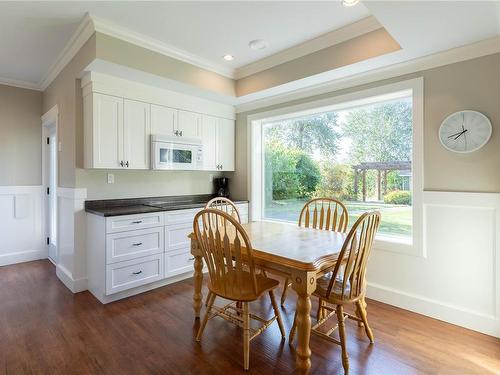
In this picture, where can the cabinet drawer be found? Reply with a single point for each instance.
(181, 216)
(178, 262)
(133, 244)
(131, 222)
(176, 236)
(132, 273)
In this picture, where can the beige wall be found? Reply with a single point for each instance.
(473, 84)
(65, 91)
(20, 136)
(136, 57)
(375, 43)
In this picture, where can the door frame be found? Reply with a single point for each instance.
(50, 120)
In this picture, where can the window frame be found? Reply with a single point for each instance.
(413, 87)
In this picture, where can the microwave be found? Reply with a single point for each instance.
(176, 153)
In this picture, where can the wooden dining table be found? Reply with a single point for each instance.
(301, 254)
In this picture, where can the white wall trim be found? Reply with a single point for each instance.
(84, 31)
(457, 315)
(368, 71)
(116, 31)
(329, 39)
(19, 83)
(66, 277)
(22, 256)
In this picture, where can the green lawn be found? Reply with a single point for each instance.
(396, 220)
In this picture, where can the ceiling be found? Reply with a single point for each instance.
(33, 35)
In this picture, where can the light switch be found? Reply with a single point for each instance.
(111, 178)
(210, 178)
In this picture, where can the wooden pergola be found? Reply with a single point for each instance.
(382, 168)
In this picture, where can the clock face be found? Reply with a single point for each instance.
(465, 131)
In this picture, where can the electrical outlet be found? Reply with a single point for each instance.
(111, 178)
(210, 178)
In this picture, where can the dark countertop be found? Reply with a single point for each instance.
(118, 207)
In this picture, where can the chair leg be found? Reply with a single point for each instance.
(345, 357)
(319, 313)
(210, 303)
(358, 314)
(362, 310)
(246, 336)
(285, 290)
(294, 329)
(277, 313)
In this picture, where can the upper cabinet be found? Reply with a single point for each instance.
(120, 116)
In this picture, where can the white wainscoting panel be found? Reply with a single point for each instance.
(459, 279)
(21, 237)
(71, 265)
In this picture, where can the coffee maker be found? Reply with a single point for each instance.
(221, 187)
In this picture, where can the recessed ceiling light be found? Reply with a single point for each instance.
(349, 3)
(228, 57)
(258, 44)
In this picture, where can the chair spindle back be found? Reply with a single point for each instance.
(227, 252)
(324, 214)
(225, 205)
(353, 258)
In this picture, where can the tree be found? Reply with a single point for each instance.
(309, 133)
(381, 132)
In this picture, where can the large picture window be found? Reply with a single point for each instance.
(361, 155)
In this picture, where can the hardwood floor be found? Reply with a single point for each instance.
(45, 329)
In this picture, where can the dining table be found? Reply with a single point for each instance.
(301, 254)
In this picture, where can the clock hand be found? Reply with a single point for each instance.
(458, 136)
(451, 136)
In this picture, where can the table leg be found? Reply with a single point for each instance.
(198, 278)
(304, 284)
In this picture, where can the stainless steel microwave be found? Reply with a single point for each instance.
(176, 153)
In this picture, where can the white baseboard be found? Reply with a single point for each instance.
(78, 285)
(486, 324)
(22, 256)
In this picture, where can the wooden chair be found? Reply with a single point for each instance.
(227, 251)
(347, 286)
(225, 205)
(323, 214)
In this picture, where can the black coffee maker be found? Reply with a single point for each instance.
(221, 187)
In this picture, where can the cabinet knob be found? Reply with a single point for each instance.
(121, 163)
(137, 244)
(126, 163)
(180, 133)
(176, 132)
(136, 273)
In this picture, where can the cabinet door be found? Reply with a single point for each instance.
(225, 144)
(209, 138)
(108, 131)
(137, 131)
(189, 124)
(163, 120)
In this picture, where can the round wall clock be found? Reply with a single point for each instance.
(465, 131)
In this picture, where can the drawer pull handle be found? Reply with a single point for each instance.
(137, 244)
(136, 273)
(191, 258)
(137, 222)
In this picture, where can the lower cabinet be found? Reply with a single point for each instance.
(130, 254)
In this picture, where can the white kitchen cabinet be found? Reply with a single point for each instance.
(103, 123)
(225, 144)
(130, 254)
(116, 132)
(188, 124)
(209, 139)
(163, 120)
(136, 134)
(218, 143)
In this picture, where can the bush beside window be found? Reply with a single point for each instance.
(398, 197)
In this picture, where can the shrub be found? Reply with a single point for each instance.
(337, 181)
(290, 172)
(398, 197)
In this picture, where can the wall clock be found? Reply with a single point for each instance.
(465, 131)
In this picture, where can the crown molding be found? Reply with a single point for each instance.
(332, 38)
(116, 31)
(84, 31)
(389, 66)
(20, 84)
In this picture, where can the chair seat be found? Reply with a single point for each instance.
(246, 292)
(336, 295)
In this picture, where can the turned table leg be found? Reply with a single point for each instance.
(304, 284)
(198, 278)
